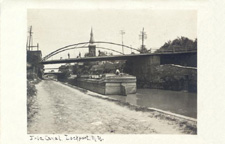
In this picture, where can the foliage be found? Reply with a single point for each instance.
(88, 68)
(31, 75)
(31, 90)
(98, 67)
(33, 64)
(179, 44)
(66, 71)
(31, 96)
(143, 49)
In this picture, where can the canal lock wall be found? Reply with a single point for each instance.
(152, 73)
(107, 87)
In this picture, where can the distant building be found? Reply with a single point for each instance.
(92, 47)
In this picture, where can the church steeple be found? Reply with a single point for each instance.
(92, 46)
(91, 38)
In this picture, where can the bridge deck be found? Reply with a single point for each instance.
(114, 57)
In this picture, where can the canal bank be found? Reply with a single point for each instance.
(189, 121)
(176, 110)
(68, 109)
(178, 102)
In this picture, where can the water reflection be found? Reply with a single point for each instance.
(174, 101)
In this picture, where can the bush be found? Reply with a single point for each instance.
(31, 97)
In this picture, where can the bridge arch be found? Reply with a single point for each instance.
(81, 48)
(74, 46)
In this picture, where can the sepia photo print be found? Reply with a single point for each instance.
(111, 71)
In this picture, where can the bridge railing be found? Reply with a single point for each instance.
(161, 51)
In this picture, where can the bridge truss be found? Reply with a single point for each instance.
(83, 45)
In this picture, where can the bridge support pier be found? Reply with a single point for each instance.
(142, 67)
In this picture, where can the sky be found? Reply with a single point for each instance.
(56, 28)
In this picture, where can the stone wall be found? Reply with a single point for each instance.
(171, 77)
(110, 85)
(150, 74)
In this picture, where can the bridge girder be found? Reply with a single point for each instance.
(81, 48)
(73, 46)
(114, 57)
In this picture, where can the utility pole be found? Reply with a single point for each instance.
(30, 41)
(122, 32)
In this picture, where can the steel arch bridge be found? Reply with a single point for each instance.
(85, 45)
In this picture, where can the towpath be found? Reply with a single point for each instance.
(62, 109)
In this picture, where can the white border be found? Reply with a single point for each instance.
(210, 68)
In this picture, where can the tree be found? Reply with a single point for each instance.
(66, 71)
(178, 44)
(143, 49)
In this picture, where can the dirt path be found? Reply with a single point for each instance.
(62, 109)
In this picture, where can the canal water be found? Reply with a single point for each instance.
(178, 102)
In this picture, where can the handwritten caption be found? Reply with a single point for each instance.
(66, 138)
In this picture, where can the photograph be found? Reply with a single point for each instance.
(111, 71)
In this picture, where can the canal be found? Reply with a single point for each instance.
(62, 109)
(178, 102)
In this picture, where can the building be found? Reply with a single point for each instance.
(92, 47)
